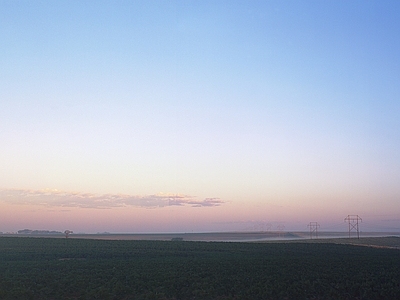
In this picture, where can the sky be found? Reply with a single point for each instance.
(199, 116)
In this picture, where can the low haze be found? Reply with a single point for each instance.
(199, 116)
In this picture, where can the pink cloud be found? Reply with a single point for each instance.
(53, 197)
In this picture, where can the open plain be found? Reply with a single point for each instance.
(77, 268)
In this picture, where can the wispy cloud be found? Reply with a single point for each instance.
(57, 198)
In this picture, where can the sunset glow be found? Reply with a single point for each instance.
(180, 116)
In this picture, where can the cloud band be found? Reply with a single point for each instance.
(57, 198)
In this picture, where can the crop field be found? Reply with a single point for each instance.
(54, 268)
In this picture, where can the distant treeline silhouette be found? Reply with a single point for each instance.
(29, 231)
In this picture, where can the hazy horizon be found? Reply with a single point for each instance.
(196, 116)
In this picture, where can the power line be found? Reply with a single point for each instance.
(313, 228)
(353, 224)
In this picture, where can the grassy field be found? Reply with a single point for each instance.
(54, 268)
(376, 242)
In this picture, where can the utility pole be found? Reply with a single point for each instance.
(313, 228)
(353, 224)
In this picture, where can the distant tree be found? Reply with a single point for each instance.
(67, 233)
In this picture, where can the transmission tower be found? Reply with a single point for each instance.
(353, 221)
(280, 229)
(313, 228)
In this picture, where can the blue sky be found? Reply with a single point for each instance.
(272, 112)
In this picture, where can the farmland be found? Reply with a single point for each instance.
(54, 268)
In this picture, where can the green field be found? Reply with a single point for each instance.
(51, 268)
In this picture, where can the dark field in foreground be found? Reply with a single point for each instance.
(47, 268)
